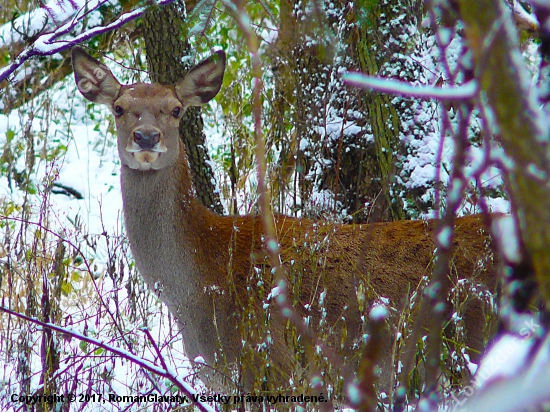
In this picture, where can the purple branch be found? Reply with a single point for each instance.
(384, 85)
(167, 373)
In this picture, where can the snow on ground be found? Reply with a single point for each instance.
(83, 167)
(513, 375)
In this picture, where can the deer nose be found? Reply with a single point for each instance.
(146, 139)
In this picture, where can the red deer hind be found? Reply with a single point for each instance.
(212, 271)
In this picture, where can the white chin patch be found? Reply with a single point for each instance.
(146, 159)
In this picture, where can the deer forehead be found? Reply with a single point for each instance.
(154, 98)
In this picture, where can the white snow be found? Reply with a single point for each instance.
(379, 313)
(505, 235)
(519, 382)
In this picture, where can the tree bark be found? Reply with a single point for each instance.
(295, 72)
(373, 47)
(165, 49)
(324, 160)
(358, 171)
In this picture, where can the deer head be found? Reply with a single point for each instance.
(147, 115)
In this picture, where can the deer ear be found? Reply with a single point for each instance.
(203, 81)
(94, 80)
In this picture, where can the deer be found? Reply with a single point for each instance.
(213, 271)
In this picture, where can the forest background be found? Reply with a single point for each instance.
(470, 137)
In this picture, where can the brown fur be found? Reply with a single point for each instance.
(213, 272)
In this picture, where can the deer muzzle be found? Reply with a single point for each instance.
(146, 144)
(149, 139)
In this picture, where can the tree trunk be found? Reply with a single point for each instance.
(358, 169)
(373, 48)
(304, 90)
(165, 49)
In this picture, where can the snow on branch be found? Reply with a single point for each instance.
(522, 18)
(379, 84)
(52, 42)
(523, 126)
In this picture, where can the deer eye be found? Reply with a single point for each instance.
(176, 112)
(119, 111)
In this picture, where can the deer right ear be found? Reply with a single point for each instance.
(94, 80)
(203, 82)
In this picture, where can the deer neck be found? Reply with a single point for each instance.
(160, 213)
(178, 246)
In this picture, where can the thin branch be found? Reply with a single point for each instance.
(155, 346)
(280, 292)
(464, 92)
(86, 263)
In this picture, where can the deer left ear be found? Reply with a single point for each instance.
(93, 79)
(203, 82)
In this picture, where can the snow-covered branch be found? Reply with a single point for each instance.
(523, 19)
(52, 42)
(464, 92)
